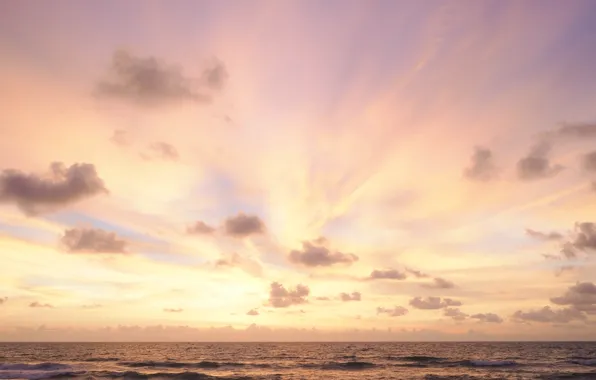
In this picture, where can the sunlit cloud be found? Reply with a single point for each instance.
(210, 178)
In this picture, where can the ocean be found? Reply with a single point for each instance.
(247, 361)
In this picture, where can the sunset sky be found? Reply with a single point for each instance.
(297, 170)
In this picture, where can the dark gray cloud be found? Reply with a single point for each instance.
(581, 297)
(396, 311)
(279, 296)
(482, 167)
(164, 151)
(577, 130)
(455, 314)
(92, 240)
(543, 235)
(148, 81)
(354, 296)
(548, 315)
(439, 283)
(34, 193)
(314, 254)
(387, 274)
(417, 273)
(167, 310)
(40, 305)
(200, 228)
(253, 312)
(537, 165)
(487, 318)
(433, 303)
(243, 225)
(589, 161)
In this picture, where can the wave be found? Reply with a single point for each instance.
(570, 376)
(586, 362)
(36, 371)
(353, 365)
(101, 359)
(417, 358)
(34, 367)
(489, 363)
(203, 364)
(126, 375)
(450, 377)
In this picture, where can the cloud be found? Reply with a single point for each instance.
(164, 151)
(215, 75)
(200, 228)
(346, 297)
(44, 305)
(167, 310)
(482, 167)
(487, 317)
(396, 311)
(455, 314)
(243, 225)
(253, 312)
(280, 297)
(34, 193)
(417, 273)
(589, 161)
(3, 300)
(536, 165)
(433, 303)
(322, 298)
(584, 240)
(439, 283)
(577, 130)
(314, 254)
(89, 240)
(148, 81)
(548, 315)
(386, 274)
(543, 236)
(581, 296)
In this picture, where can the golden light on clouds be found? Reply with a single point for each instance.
(382, 171)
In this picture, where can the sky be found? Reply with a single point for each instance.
(297, 170)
